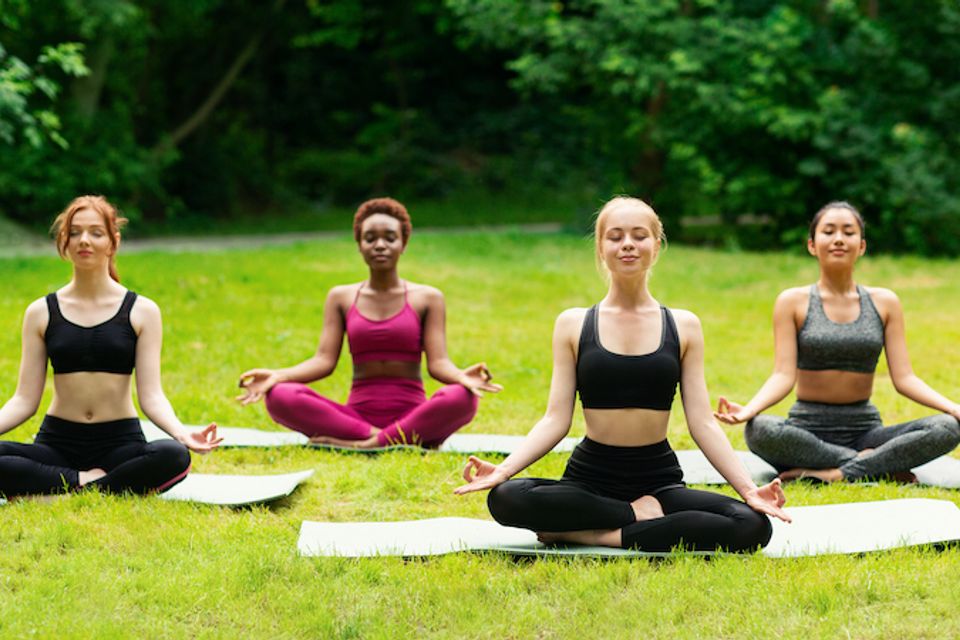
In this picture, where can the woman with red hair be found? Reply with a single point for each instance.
(94, 331)
(389, 323)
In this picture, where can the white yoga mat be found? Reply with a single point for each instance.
(236, 436)
(942, 472)
(235, 490)
(857, 527)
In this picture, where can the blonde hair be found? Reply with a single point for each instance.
(60, 229)
(622, 202)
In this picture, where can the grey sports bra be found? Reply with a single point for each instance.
(851, 346)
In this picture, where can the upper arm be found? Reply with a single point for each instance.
(331, 335)
(785, 331)
(563, 380)
(894, 332)
(435, 326)
(147, 322)
(693, 385)
(33, 355)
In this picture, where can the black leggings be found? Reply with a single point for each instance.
(697, 520)
(63, 448)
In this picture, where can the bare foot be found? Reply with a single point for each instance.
(84, 477)
(646, 508)
(367, 443)
(591, 537)
(906, 477)
(823, 475)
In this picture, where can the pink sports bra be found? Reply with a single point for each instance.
(399, 337)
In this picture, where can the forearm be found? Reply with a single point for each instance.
(15, 412)
(160, 412)
(541, 439)
(310, 370)
(775, 389)
(911, 386)
(717, 449)
(443, 370)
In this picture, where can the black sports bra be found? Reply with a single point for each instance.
(109, 347)
(607, 380)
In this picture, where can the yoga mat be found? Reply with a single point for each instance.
(457, 443)
(857, 527)
(235, 490)
(942, 472)
(235, 436)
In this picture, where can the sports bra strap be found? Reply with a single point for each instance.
(128, 299)
(359, 289)
(53, 307)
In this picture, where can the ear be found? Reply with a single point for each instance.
(811, 248)
(116, 246)
(863, 247)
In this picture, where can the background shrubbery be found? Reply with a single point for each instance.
(708, 108)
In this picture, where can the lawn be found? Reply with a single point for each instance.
(92, 565)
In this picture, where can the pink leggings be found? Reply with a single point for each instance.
(398, 406)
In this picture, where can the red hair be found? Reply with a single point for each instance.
(388, 207)
(111, 219)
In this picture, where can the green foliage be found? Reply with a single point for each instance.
(22, 86)
(715, 108)
(771, 108)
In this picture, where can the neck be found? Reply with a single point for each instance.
(91, 284)
(384, 280)
(839, 281)
(629, 293)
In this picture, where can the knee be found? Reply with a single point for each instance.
(753, 529)
(279, 396)
(173, 456)
(758, 430)
(507, 502)
(950, 427)
(459, 396)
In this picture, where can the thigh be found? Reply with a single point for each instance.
(112, 457)
(681, 499)
(879, 436)
(556, 505)
(42, 453)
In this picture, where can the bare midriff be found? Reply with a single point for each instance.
(626, 427)
(833, 386)
(89, 397)
(386, 369)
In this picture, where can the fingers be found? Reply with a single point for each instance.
(472, 463)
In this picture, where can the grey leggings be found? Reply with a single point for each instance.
(826, 436)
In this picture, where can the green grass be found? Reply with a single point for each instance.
(92, 565)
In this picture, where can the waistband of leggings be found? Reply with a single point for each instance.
(52, 425)
(639, 453)
(825, 407)
(415, 384)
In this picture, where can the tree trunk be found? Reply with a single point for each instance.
(88, 89)
(191, 124)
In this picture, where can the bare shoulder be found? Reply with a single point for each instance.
(341, 292)
(145, 311)
(886, 302)
(37, 315)
(571, 320)
(688, 324)
(424, 292)
(794, 296)
(143, 304)
(882, 295)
